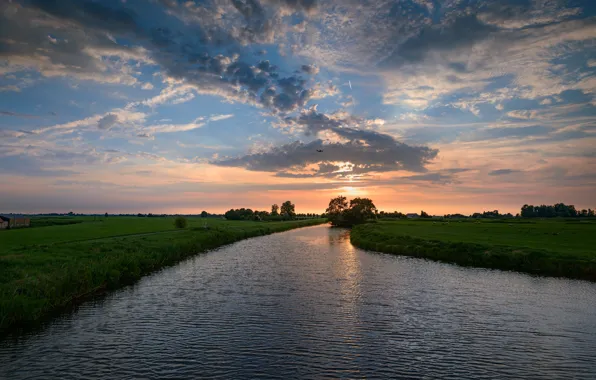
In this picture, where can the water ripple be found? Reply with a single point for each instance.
(307, 304)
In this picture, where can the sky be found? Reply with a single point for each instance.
(172, 106)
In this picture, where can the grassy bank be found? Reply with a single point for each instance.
(550, 248)
(44, 269)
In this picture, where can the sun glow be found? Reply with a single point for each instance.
(352, 191)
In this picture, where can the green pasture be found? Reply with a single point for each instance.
(563, 248)
(43, 269)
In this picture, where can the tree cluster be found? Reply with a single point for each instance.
(491, 214)
(357, 211)
(392, 215)
(557, 210)
(286, 212)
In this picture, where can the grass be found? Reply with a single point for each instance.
(44, 269)
(54, 221)
(563, 248)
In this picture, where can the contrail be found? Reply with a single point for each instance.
(350, 83)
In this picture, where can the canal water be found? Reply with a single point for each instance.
(307, 304)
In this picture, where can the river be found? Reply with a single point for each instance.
(307, 304)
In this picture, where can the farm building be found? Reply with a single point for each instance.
(14, 221)
(412, 216)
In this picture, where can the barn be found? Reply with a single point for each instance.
(14, 221)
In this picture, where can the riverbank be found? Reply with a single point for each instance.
(45, 269)
(551, 248)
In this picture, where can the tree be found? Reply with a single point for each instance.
(423, 214)
(239, 214)
(106, 215)
(359, 211)
(180, 222)
(335, 210)
(549, 211)
(274, 210)
(287, 208)
(204, 214)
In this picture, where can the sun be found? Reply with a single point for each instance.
(352, 191)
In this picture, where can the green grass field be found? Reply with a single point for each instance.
(549, 247)
(91, 228)
(43, 269)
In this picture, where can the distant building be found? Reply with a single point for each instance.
(412, 216)
(14, 221)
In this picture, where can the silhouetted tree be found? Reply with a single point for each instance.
(204, 214)
(544, 211)
(335, 210)
(288, 208)
(274, 210)
(359, 211)
(239, 214)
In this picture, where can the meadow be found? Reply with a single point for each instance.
(564, 248)
(47, 268)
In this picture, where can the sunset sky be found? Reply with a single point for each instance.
(181, 106)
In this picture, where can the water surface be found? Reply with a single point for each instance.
(307, 304)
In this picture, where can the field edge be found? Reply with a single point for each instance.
(501, 257)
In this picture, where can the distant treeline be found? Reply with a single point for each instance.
(287, 212)
(527, 211)
(557, 210)
(423, 215)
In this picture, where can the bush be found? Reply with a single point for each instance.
(180, 222)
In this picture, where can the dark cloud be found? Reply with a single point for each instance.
(306, 5)
(463, 31)
(362, 151)
(503, 172)
(107, 121)
(310, 69)
(89, 13)
(193, 52)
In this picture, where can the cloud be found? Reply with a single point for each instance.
(499, 172)
(186, 98)
(107, 121)
(192, 60)
(71, 53)
(310, 69)
(220, 117)
(120, 117)
(170, 128)
(429, 177)
(10, 88)
(353, 151)
(462, 32)
(522, 114)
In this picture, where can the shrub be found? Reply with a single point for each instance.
(180, 222)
